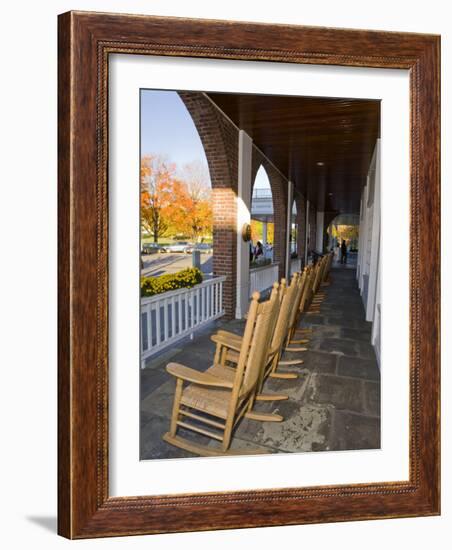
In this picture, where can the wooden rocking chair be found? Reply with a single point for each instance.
(326, 274)
(303, 332)
(288, 301)
(213, 402)
(316, 297)
(228, 343)
(298, 308)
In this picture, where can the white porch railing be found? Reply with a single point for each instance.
(170, 316)
(262, 278)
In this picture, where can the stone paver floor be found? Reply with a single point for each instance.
(333, 405)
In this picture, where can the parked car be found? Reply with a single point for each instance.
(152, 248)
(204, 248)
(180, 246)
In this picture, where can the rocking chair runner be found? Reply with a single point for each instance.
(214, 401)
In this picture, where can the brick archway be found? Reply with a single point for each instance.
(329, 218)
(220, 141)
(278, 187)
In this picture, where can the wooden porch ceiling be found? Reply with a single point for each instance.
(298, 133)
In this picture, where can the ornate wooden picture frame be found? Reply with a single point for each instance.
(86, 40)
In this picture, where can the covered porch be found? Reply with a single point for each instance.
(322, 162)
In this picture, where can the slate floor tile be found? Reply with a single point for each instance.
(341, 393)
(358, 368)
(352, 432)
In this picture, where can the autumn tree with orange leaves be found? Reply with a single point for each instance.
(194, 201)
(257, 231)
(175, 203)
(156, 181)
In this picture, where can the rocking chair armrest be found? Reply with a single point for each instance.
(191, 375)
(227, 334)
(226, 341)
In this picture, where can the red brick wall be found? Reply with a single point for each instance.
(220, 141)
(279, 187)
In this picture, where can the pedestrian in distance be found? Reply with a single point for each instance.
(343, 252)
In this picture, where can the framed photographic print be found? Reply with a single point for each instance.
(248, 275)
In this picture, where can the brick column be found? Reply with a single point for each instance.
(301, 223)
(313, 227)
(220, 141)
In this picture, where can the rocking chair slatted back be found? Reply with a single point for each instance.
(259, 346)
(287, 295)
(327, 267)
(277, 295)
(300, 283)
(309, 288)
(247, 335)
(318, 275)
(307, 272)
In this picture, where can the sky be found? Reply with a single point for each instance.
(261, 181)
(167, 129)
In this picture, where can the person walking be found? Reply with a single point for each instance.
(259, 250)
(343, 252)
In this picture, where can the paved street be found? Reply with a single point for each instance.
(172, 262)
